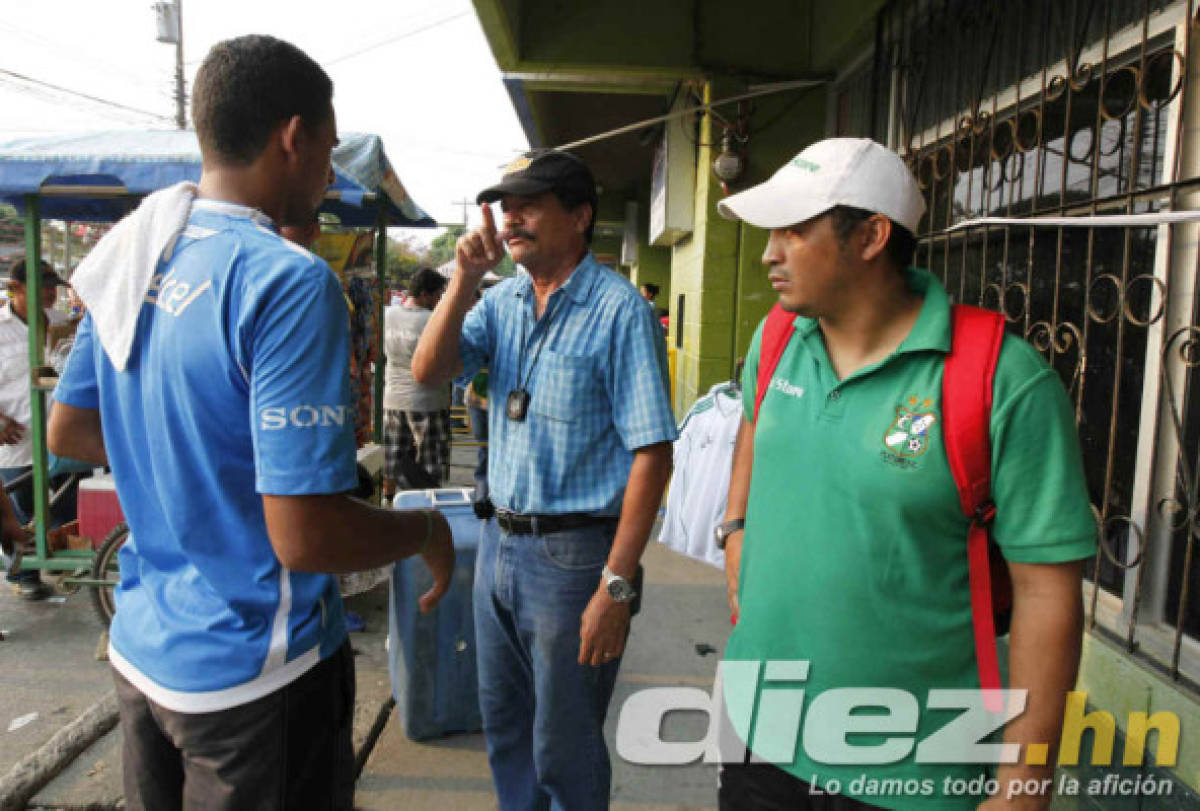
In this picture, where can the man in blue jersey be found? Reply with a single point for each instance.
(580, 450)
(225, 416)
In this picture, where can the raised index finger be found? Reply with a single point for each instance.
(488, 231)
(489, 221)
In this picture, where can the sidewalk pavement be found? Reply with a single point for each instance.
(684, 606)
(51, 676)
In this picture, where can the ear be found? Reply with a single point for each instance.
(583, 216)
(875, 233)
(290, 133)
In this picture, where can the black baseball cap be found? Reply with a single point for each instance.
(16, 272)
(541, 171)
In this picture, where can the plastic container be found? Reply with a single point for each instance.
(98, 507)
(431, 657)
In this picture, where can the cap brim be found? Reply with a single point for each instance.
(768, 206)
(516, 185)
(47, 278)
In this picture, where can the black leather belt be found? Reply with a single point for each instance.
(518, 524)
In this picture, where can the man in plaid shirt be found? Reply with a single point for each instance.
(580, 432)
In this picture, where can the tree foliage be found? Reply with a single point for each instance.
(404, 256)
(441, 250)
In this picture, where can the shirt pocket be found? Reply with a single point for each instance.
(565, 387)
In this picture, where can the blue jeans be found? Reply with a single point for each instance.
(543, 712)
(479, 432)
(21, 500)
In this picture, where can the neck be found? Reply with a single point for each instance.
(243, 186)
(548, 278)
(879, 314)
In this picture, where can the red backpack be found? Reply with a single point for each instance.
(966, 417)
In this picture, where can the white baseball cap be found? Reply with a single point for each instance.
(835, 172)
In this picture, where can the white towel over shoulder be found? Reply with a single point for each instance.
(114, 278)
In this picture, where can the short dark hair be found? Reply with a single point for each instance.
(246, 87)
(651, 288)
(17, 269)
(571, 199)
(425, 281)
(901, 245)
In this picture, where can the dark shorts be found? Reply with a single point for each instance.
(764, 787)
(291, 749)
(420, 437)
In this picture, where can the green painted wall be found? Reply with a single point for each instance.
(654, 263)
(767, 38)
(1120, 685)
(653, 266)
(703, 271)
(616, 32)
(718, 269)
(793, 122)
(843, 30)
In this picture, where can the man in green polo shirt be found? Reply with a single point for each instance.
(852, 565)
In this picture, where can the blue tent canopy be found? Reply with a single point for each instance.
(142, 161)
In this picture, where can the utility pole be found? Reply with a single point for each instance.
(180, 93)
(464, 204)
(170, 30)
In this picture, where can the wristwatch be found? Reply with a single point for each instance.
(723, 531)
(618, 587)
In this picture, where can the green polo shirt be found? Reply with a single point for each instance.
(854, 557)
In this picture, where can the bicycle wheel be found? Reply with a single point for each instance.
(104, 567)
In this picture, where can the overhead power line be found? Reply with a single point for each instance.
(63, 50)
(399, 37)
(77, 94)
(763, 90)
(60, 100)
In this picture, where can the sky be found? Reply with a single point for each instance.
(417, 73)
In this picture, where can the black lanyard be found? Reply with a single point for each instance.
(517, 404)
(523, 381)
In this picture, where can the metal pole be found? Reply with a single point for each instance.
(37, 342)
(180, 106)
(381, 288)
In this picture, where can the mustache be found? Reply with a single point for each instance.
(517, 232)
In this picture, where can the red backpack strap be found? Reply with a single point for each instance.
(966, 419)
(777, 331)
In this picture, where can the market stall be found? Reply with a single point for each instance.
(101, 176)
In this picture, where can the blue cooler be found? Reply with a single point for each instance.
(431, 657)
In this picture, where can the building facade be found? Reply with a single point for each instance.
(1009, 112)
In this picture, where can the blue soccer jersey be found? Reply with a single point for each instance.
(237, 386)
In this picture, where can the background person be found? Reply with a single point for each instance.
(416, 418)
(16, 443)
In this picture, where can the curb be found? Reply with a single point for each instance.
(38, 768)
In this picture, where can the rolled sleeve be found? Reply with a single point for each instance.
(638, 382)
(474, 344)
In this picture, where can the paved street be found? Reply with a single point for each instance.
(49, 668)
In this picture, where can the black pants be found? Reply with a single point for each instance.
(765, 787)
(291, 749)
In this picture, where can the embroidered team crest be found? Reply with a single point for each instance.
(517, 165)
(908, 435)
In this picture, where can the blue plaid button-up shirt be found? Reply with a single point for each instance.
(598, 390)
